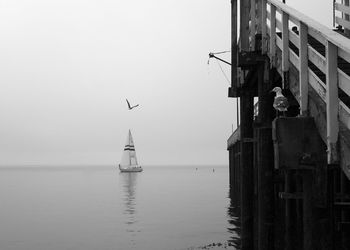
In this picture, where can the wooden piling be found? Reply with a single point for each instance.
(308, 211)
(265, 163)
(345, 214)
(290, 212)
(247, 181)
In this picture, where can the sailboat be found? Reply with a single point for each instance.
(129, 160)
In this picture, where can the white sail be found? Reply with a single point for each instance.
(129, 161)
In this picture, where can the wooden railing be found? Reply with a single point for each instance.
(315, 51)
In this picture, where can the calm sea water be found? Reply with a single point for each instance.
(98, 208)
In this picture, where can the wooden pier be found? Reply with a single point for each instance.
(290, 174)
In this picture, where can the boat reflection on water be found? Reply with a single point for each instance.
(128, 181)
(234, 220)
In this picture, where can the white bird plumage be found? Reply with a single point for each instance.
(281, 102)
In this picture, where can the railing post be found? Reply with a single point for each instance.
(303, 69)
(332, 101)
(285, 49)
(263, 28)
(273, 35)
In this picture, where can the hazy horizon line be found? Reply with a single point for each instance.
(109, 165)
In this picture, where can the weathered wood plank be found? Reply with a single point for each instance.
(344, 81)
(343, 54)
(332, 101)
(317, 59)
(317, 84)
(344, 114)
(294, 59)
(315, 34)
(294, 38)
(303, 70)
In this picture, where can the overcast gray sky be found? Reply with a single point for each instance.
(67, 67)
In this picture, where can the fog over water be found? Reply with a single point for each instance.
(68, 66)
(97, 207)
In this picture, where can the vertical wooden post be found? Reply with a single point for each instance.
(345, 215)
(263, 28)
(234, 50)
(265, 165)
(244, 25)
(252, 23)
(291, 224)
(285, 49)
(231, 164)
(332, 101)
(247, 155)
(258, 16)
(308, 211)
(273, 35)
(239, 174)
(331, 191)
(246, 127)
(303, 69)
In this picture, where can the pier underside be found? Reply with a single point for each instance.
(290, 197)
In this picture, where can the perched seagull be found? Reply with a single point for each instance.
(281, 102)
(131, 107)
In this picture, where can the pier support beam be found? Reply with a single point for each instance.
(265, 165)
(247, 184)
(308, 211)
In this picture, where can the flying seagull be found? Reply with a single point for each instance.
(131, 107)
(281, 102)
